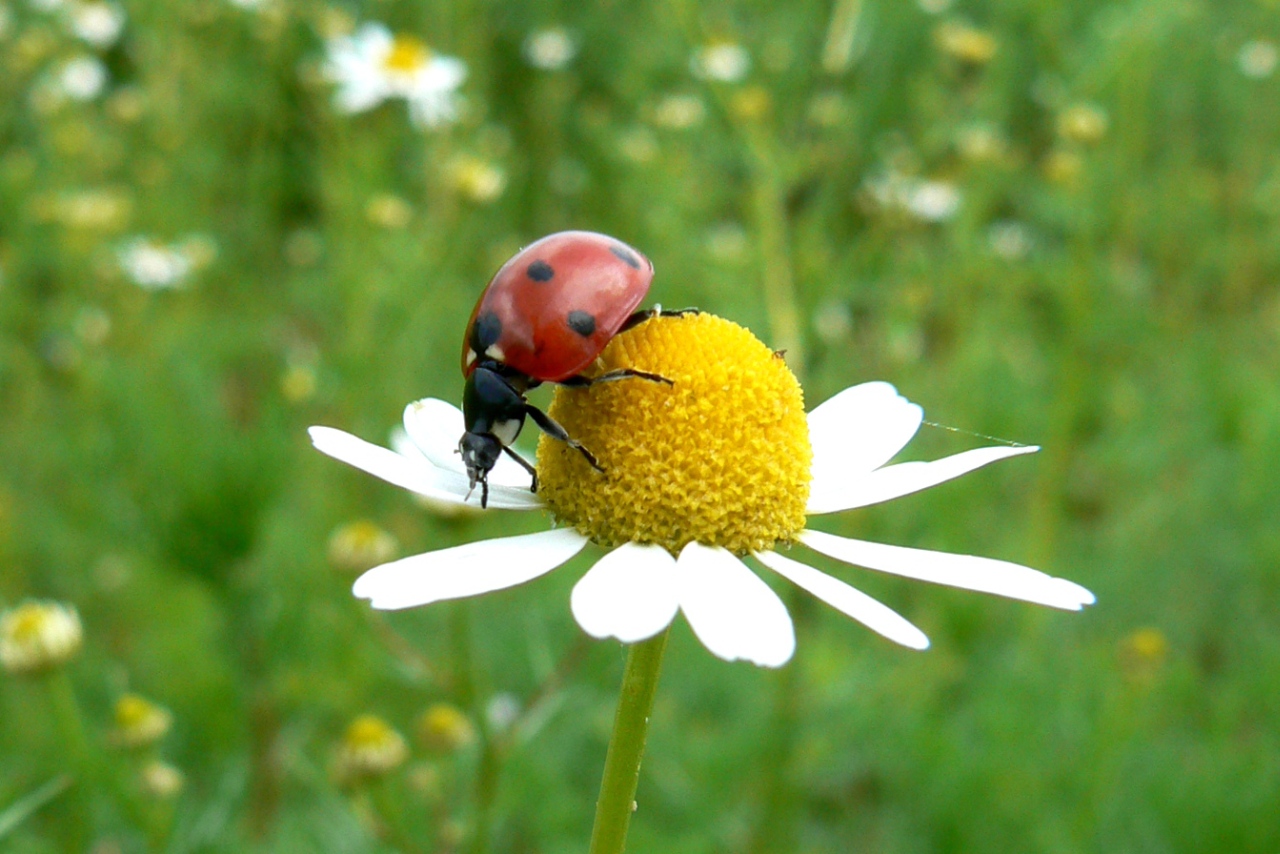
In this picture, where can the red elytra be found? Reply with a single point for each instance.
(551, 310)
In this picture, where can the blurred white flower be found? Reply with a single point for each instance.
(1257, 59)
(833, 321)
(550, 49)
(638, 145)
(981, 143)
(931, 201)
(82, 78)
(140, 722)
(161, 780)
(1083, 123)
(370, 748)
(725, 62)
(157, 266)
(1009, 239)
(476, 179)
(37, 636)
(934, 201)
(97, 22)
(372, 66)
(679, 112)
(502, 711)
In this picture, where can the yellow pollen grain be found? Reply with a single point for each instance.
(720, 457)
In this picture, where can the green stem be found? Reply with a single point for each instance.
(775, 830)
(464, 687)
(66, 713)
(769, 208)
(626, 746)
(65, 709)
(841, 45)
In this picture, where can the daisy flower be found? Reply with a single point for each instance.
(550, 49)
(720, 468)
(373, 65)
(724, 62)
(155, 266)
(99, 23)
(36, 637)
(82, 78)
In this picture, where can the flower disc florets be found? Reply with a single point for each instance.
(721, 456)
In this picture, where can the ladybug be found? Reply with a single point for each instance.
(545, 317)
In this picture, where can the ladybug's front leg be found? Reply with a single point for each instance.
(657, 311)
(533, 472)
(580, 381)
(553, 429)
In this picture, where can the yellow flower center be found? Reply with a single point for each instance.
(407, 55)
(29, 623)
(140, 722)
(720, 457)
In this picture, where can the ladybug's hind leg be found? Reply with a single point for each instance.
(553, 429)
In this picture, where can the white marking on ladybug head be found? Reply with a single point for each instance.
(495, 352)
(471, 357)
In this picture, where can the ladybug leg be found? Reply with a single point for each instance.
(609, 376)
(553, 429)
(533, 473)
(657, 311)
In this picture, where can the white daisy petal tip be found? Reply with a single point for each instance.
(1077, 595)
(631, 594)
(470, 569)
(848, 600)
(731, 610)
(832, 490)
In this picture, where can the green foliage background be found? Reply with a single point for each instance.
(160, 478)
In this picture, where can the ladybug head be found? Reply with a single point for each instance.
(479, 454)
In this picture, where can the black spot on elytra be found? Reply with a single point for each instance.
(485, 332)
(582, 323)
(540, 271)
(626, 256)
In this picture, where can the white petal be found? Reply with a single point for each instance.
(983, 574)
(861, 428)
(414, 474)
(853, 433)
(445, 72)
(373, 40)
(874, 615)
(731, 610)
(826, 495)
(630, 594)
(467, 570)
(435, 426)
(356, 96)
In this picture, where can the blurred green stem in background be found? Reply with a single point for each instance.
(843, 45)
(71, 733)
(464, 686)
(27, 805)
(66, 715)
(769, 213)
(626, 746)
(775, 828)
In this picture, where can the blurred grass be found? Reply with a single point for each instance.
(1111, 296)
